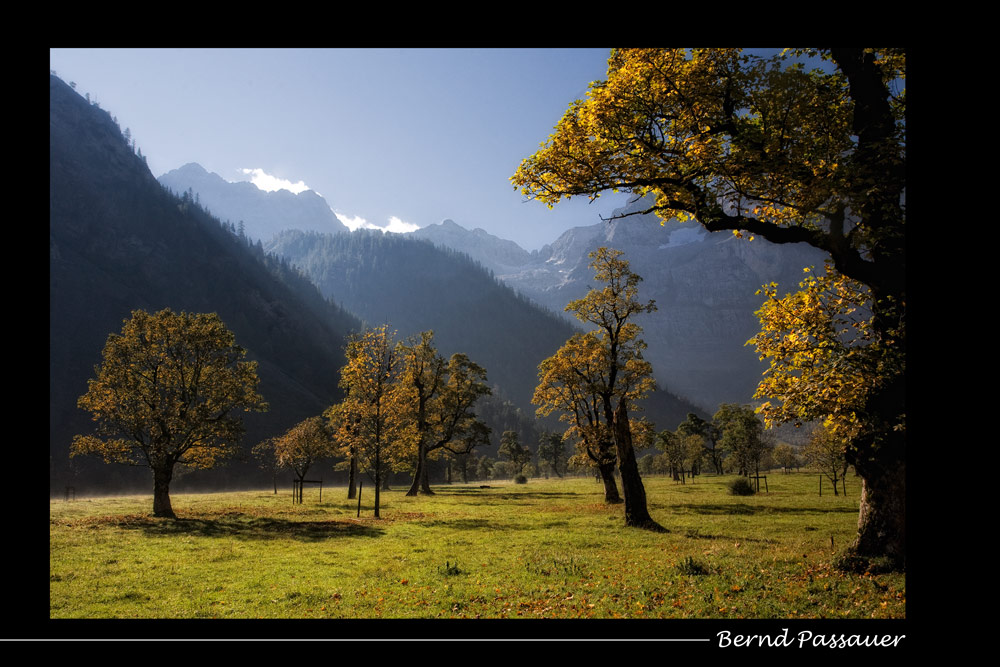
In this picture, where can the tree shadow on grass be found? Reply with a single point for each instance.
(498, 493)
(494, 497)
(463, 524)
(485, 524)
(239, 526)
(742, 508)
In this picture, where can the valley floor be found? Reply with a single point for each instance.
(545, 549)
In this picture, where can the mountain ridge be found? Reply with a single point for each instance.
(119, 241)
(421, 286)
(263, 214)
(704, 284)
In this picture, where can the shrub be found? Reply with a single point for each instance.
(503, 470)
(692, 567)
(520, 479)
(741, 486)
(449, 568)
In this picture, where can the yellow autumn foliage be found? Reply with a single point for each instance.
(166, 392)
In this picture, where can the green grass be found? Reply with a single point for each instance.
(546, 549)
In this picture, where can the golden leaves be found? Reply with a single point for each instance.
(716, 134)
(593, 371)
(304, 444)
(166, 390)
(823, 358)
(372, 421)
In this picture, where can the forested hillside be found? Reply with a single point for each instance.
(119, 241)
(414, 285)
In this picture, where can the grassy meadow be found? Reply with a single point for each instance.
(545, 549)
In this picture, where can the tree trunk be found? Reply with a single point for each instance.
(636, 513)
(377, 486)
(879, 457)
(420, 483)
(607, 473)
(425, 485)
(882, 516)
(161, 492)
(352, 479)
(418, 473)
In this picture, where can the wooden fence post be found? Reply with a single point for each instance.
(361, 484)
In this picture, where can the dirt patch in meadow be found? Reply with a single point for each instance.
(142, 520)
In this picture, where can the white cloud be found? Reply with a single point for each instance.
(357, 222)
(400, 227)
(269, 183)
(395, 225)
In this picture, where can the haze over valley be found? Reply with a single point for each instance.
(293, 277)
(704, 284)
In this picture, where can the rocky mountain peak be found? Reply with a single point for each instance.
(264, 214)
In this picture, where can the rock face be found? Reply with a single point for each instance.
(496, 254)
(704, 286)
(264, 214)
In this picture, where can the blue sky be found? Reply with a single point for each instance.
(413, 135)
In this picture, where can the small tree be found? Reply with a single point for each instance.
(551, 453)
(337, 419)
(304, 445)
(512, 450)
(695, 425)
(785, 456)
(682, 452)
(484, 467)
(571, 382)
(826, 452)
(440, 397)
(504, 470)
(263, 452)
(743, 437)
(694, 452)
(373, 422)
(165, 395)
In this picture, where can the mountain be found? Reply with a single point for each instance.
(118, 241)
(704, 286)
(496, 254)
(414, 285)
(264, 214)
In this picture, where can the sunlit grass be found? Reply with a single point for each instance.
(547, 549)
